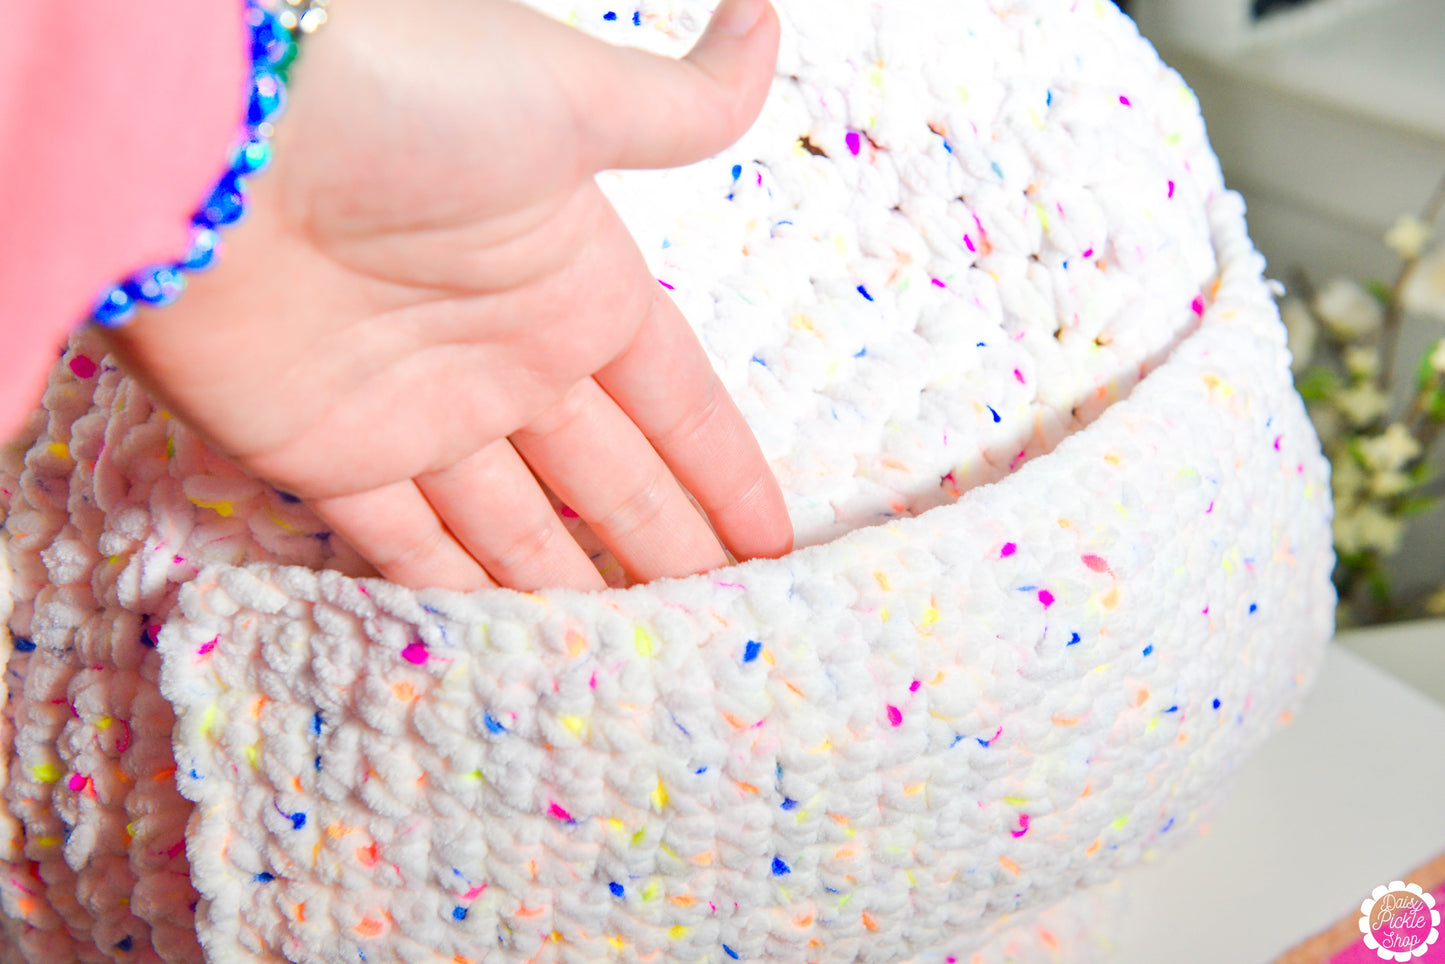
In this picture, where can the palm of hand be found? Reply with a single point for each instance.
(432, 302)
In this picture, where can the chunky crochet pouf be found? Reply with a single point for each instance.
(976, 283)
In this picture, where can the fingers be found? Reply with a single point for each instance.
(642, 110)
(499, 527)
(591, 454)
(666, 384)
(486, 521)
(398, 532)
(494, 507)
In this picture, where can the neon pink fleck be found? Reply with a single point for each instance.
(939, 284)
(1276, 442)
(556, 811)
(1171, 189)
(474, 892)
(76, 782)
(1088, 254)
(83, 367)
(1095, 563)
(1210, 509)
(855, 143)
(415, 653)
(913, 688)
(1020, 376)
(207, 647)
(1197, 304)
(666, 285)
(969, 243)
(1023, 826)
(1008, 549)
(1046, 597)
(1125, 101)
(895, 715)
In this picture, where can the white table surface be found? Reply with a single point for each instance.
(1350, 795)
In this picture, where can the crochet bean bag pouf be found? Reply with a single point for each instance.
(1064, 560)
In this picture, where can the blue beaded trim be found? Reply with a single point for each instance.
(273, 48)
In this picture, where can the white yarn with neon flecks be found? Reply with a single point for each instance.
(954, 235)
(891, 745)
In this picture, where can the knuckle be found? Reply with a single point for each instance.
(707, 411)
(529, 545)
(567, 412)
(748, 498)
(641, 508)
(411, 553)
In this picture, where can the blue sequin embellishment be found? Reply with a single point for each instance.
(272, 48)
(159, 285)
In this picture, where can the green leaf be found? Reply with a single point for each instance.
(1415, 504)
(1435, 405)
(1425, 372)
(1354, 560)
(1318, 384)
(1379, 584)
(1380, 290)
(1354, 447)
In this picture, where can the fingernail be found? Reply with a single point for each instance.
(737, 17)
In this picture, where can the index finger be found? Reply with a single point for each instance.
(666, 385)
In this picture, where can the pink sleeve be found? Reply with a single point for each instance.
(114, 124)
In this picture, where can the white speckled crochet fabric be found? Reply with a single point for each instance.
(953, 237)
(965, 244)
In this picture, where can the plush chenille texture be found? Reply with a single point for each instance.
(976, 283)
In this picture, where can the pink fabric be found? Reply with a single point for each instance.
(115, 119)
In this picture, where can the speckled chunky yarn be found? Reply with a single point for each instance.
(976, 283)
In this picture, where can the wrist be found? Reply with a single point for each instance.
(273, 29)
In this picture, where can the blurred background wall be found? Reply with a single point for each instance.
(1329, 117)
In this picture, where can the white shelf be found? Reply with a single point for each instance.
(1387, 65)
(1348, 796)
(1347, 120)
(1413, 653)
(1384, 62)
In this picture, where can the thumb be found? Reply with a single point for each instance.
(642, 110)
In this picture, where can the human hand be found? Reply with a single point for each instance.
(431, 305)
